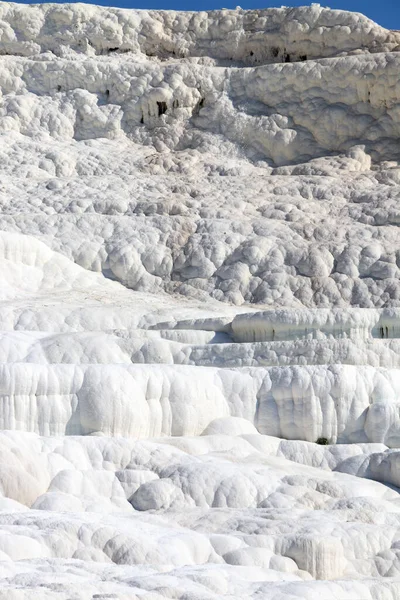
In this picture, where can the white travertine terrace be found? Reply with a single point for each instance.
(199, 281)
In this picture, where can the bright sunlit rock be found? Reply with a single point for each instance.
(199, 304)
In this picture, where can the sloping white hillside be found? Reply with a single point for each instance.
(199, 281)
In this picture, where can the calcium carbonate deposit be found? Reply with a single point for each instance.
(199, 305)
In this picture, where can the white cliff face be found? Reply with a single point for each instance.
(249, 179)
(199, 267)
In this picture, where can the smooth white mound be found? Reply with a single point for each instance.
(199, 304)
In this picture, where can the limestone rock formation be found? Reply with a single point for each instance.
(199, 304)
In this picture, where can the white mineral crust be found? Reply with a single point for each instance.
(199, 281)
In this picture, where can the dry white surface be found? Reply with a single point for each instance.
(200, 277)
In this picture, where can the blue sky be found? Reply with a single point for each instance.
(384, 12)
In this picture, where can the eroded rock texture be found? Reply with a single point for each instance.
(199, 305)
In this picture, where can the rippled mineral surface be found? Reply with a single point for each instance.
(199, 305)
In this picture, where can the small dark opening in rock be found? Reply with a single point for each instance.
(303, 57)
(251, 53)
(322, 441)
(142, 119)
(113, 49)
(107, 93)
(59, 88)
(274, 52)
(198, 106)
(175, 104)
(162, 108)
(287, 58)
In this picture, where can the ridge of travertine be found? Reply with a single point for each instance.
(274, 184)
(199, 304)
(247, 36)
